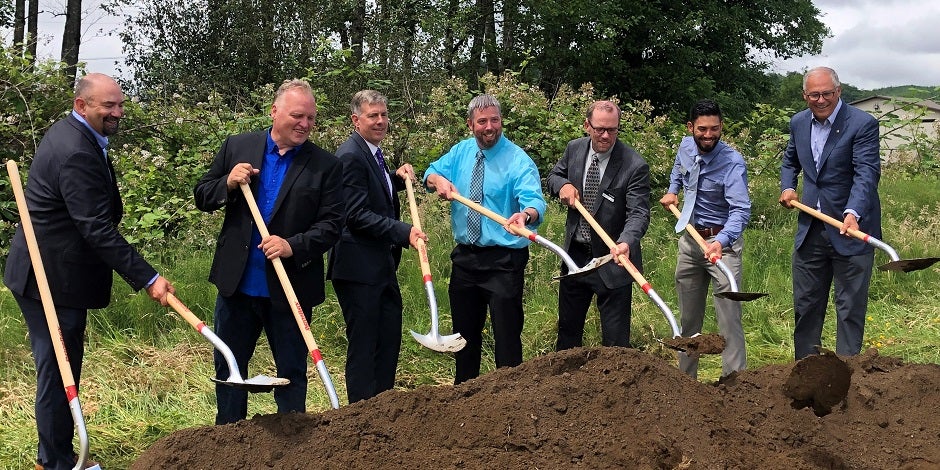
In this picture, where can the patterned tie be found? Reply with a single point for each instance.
(690, 192)
(474, 218)
(589, 196)
(380, 159)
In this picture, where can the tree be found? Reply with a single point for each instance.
(71, 37)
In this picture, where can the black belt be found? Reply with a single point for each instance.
(707, 232)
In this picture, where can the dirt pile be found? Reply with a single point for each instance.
(603, 408)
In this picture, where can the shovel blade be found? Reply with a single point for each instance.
(740, 296)
(449, 343)
(908, 265)
(256, 384)
(587, 268)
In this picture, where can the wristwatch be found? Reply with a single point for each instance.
(528, 217)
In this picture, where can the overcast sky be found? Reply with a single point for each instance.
(878, 43)
(874, 43)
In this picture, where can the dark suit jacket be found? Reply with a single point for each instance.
(308, 213)
(850, 167)
(75, 209)
(626, 219)
(370, 247)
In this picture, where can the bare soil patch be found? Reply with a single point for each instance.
(603, 408)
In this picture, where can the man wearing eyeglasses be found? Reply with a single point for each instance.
(835, 146)
(612, 181)
(713, 178)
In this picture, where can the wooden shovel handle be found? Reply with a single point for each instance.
(520, 231)
(829, 220)
(45, 293)
(640, 280)
(690, 229)
(416, 222)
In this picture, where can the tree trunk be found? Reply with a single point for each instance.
(357, 31)
(71, 37)
(32, 30)
(510, 26)
(19, 25)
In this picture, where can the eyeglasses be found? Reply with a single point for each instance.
(825, 95)
(602, 130)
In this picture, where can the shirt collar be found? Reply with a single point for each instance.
(102, 140)
(601, 156)
(372, 148)
(832, 117)
(271, 148)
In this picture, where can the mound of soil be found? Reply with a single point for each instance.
(603, 408)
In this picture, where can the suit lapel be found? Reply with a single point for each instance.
(297, 165)
(614, 162)
(838, 127)
(805, 147)
(372, 163)
(576, 167)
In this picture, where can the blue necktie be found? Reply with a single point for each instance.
(380, 159)
(474, 218)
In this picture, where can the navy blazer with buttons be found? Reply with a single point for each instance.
(849, 170)
(308, 213)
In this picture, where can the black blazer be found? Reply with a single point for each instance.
(623, 202)
(369, 249)
(308, 213)
(75, 209)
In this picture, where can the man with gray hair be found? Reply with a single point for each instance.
(363, 263)
(298, 187)
(488, 261)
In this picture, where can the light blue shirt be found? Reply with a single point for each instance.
(511, 183)
(722, 197)
(254, 281)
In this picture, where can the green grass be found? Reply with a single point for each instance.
(146, 372)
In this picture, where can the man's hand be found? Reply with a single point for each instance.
(620, 249)
(442, 187)
(274, 246)
(416, 235)
(158, 290)
(515, 222)
(568, 194)
(405, 172)
(713, 251)
(669, 199)
(850, 223)
(242, 173)
(787, 196)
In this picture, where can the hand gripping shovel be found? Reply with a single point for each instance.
(733, 294)
(52, 320)
(292, 299)
(896, 264)
(694, 345)
(432, 340)
(259, 383)
(573, 269)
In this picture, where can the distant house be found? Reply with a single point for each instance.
(902, 120)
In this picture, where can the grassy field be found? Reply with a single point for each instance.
(146, 372)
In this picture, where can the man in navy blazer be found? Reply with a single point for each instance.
(298, 188)
(75, 209)
(621, 207)
(835, 146)
(363, 264)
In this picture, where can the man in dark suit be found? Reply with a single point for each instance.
(835, 146)
(363, 264)
(298, 188)
(613, 182)
(75, 208)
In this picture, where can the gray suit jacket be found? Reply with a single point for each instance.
(623, 202)
(850, 167)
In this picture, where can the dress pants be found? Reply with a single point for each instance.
(239, 320)
(481, 278)
(693, 275)
(815, 266)
(373, 330)
(53, 416)
(574, 300)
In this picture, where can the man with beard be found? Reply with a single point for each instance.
(75, 208)
(488, 261)
(714, 179)
(363, 264)
(612, 181)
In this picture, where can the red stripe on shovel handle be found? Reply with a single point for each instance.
(427, 278)
(646, 288)
(532, 236)
(315, 354)
(71, 392)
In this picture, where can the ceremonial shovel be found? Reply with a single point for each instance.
(733, 294)
(896, 264)
(295, 303)
(432, 340)
(52, 320)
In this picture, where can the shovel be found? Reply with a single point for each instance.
(292, 299)
(573, 269)
(694, 345)
(733, 294)
(432, 340)
(52, 320)
(896, 264)
(259, 383)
